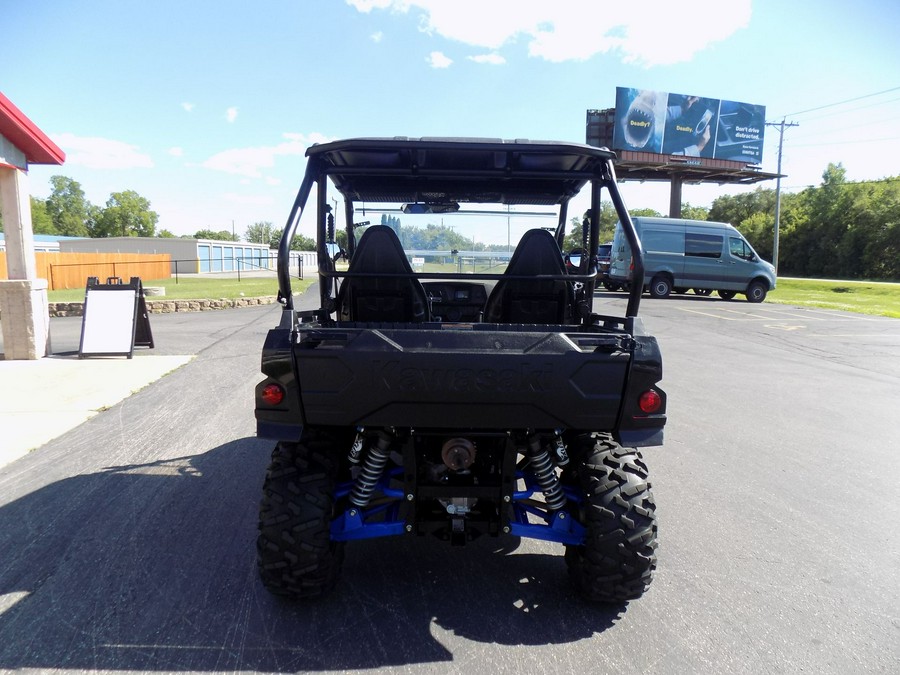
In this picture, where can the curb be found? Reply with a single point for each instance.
(58, 309)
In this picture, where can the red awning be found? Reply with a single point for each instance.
(24, 134)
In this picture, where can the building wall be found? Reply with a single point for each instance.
(189, 256)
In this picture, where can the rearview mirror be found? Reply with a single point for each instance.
(431, 207)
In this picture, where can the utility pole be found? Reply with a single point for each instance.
(780, 125)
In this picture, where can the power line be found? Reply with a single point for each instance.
(851, 110)
(849, 100)
(847, 142)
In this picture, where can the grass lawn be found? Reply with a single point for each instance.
(863, 297)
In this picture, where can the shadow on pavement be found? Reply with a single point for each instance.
(152, 568)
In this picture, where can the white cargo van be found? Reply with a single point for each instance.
(692, 254)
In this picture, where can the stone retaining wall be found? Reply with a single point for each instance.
(168, 306)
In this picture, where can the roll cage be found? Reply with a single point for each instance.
(435, 174)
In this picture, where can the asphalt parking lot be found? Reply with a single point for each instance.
(129, 540)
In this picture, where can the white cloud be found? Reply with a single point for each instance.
(231, 114)
(367, 6)
(493, 59)
(439, 60)
(377, 36)
(250, 162)
(176, 151)
(658, 32)
(188, 107)
(101, 153)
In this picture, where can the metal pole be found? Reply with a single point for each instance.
(781, 125)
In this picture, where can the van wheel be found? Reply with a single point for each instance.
(726, 295)
(660, 287)
(757, 291)
(702, 291)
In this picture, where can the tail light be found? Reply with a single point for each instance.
(272, 394)
(650, 401)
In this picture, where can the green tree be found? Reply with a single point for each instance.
(166, 234)
(694, 212)
(735, 209)
(72, 214)
(262, 232)
(815, 243)
(221, 235)
(608, 220)
(574, 235)
(878, 223)
(41, 222)
(842, 229)
(340, 238)
(759, 229)
(127, 214)
(301, 242)
(392, 222)
(650, 213)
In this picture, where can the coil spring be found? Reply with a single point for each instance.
(545, 475)
(372, 469)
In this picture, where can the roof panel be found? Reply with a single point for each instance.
(460, 169)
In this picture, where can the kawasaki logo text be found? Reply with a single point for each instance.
(392, 376)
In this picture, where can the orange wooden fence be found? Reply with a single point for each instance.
(71, 270)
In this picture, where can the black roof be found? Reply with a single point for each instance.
(397, 170)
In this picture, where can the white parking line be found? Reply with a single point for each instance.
(786, 312)
(856, 335)
(832, 314)
(758, 316)
(715, 316)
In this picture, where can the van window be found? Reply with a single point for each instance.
(660, 241)
(739, 248)
(703, 245)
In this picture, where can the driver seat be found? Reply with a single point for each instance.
(534, 301)
(389, 299)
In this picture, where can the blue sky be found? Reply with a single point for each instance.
(206, 108)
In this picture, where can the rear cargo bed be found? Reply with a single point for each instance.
(482, 376)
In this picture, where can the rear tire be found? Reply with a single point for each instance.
(727, 295)
(295, 555)
(616, 562)
(703, 291)
(660, 286)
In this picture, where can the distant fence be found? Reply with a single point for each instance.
(71, 270)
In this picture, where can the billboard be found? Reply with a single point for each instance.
(693, 126)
